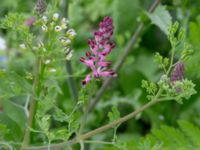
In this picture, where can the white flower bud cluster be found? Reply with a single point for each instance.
(59, 26)
(55, 23)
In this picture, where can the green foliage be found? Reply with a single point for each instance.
(4, 131)
(166, 138)
(15, 22)
(150, 87)
(161, 18)
(193, 64)
(114, 114)
(121, 9)
(163, 62)
(96, 9)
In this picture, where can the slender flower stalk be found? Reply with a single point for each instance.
(100, 48)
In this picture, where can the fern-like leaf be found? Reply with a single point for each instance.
(169, 138)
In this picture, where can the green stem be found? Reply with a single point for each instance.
(71, 82)
(32, 104)
(98, 142)
(114, 123)
(81, 144)
(171, 61)
(100, 129)
(86, 110)
(49, 145)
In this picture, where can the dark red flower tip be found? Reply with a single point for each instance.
(91, 43)
(112, 45)
(83, 82)
(109, 62)
(98, 33)
(82, 59)
(104, 63)
(107, 21)
(88, 54)
(112, 73)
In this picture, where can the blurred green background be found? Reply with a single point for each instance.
(125, 92)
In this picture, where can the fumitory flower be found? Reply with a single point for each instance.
(100, 48)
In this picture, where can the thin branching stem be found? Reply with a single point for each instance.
(32, 103)
(70, 80)
(100, 129)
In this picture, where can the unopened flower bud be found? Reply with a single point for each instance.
(65, 21)
(22, 46)
(65, 41)
(40, 7)
(69, 55)
(71, 33)
(55, 16)
(52, 70)
(44, 19)
(44, 28)
(58, 28)
(47, 61)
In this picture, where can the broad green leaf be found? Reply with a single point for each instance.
(12, 127)
(161, 18)
(4, 131)
(15, 112)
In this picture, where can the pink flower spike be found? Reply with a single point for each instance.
(100, 47)
(86, 80)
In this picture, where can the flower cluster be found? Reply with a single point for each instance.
(59, 25)
(100, 47)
